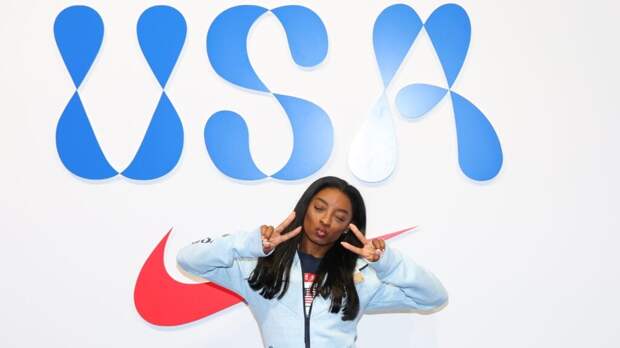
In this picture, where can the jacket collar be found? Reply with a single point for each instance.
(293, 298)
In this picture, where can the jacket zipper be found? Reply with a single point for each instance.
(306, 317)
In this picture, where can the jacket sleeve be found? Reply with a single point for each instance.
(404, 285)
(221, 260)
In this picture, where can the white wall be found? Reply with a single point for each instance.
(529, 258)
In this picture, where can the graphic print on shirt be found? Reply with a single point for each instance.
(309, 268)
(309, 291)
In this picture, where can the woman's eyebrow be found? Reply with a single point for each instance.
(337, 209)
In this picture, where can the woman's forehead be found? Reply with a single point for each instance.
(334, 197)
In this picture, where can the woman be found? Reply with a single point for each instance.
(309, 280)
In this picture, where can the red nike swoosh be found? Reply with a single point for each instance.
(163, 301)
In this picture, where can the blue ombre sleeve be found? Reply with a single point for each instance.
(405, 285)
(227, 260)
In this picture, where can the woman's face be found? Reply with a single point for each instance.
(327, 217)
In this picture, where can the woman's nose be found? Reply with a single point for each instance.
(325, 220)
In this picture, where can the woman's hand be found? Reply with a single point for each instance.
(371, 250)
(272, 237)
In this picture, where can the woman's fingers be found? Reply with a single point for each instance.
(372, 250)
(267, 247)
(272, 237)
(352, 248)
(378, 244)
(286, 222)
(358, 234)
(265, 238)
(287, 236)
(266, 232)
(376, 248)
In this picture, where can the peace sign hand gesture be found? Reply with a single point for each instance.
(371, 250)
(272, 237)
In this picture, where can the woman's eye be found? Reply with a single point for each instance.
(339, 219)
(318, 208)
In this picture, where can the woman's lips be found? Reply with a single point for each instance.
(321, 233)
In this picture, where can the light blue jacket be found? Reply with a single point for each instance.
(393, 283)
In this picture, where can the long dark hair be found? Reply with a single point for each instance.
(334, 276)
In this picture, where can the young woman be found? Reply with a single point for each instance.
(309, 280)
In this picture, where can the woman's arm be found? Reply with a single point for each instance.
(221, 260)
(404, 284)
(218, 259)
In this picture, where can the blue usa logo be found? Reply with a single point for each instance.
(161, 32)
